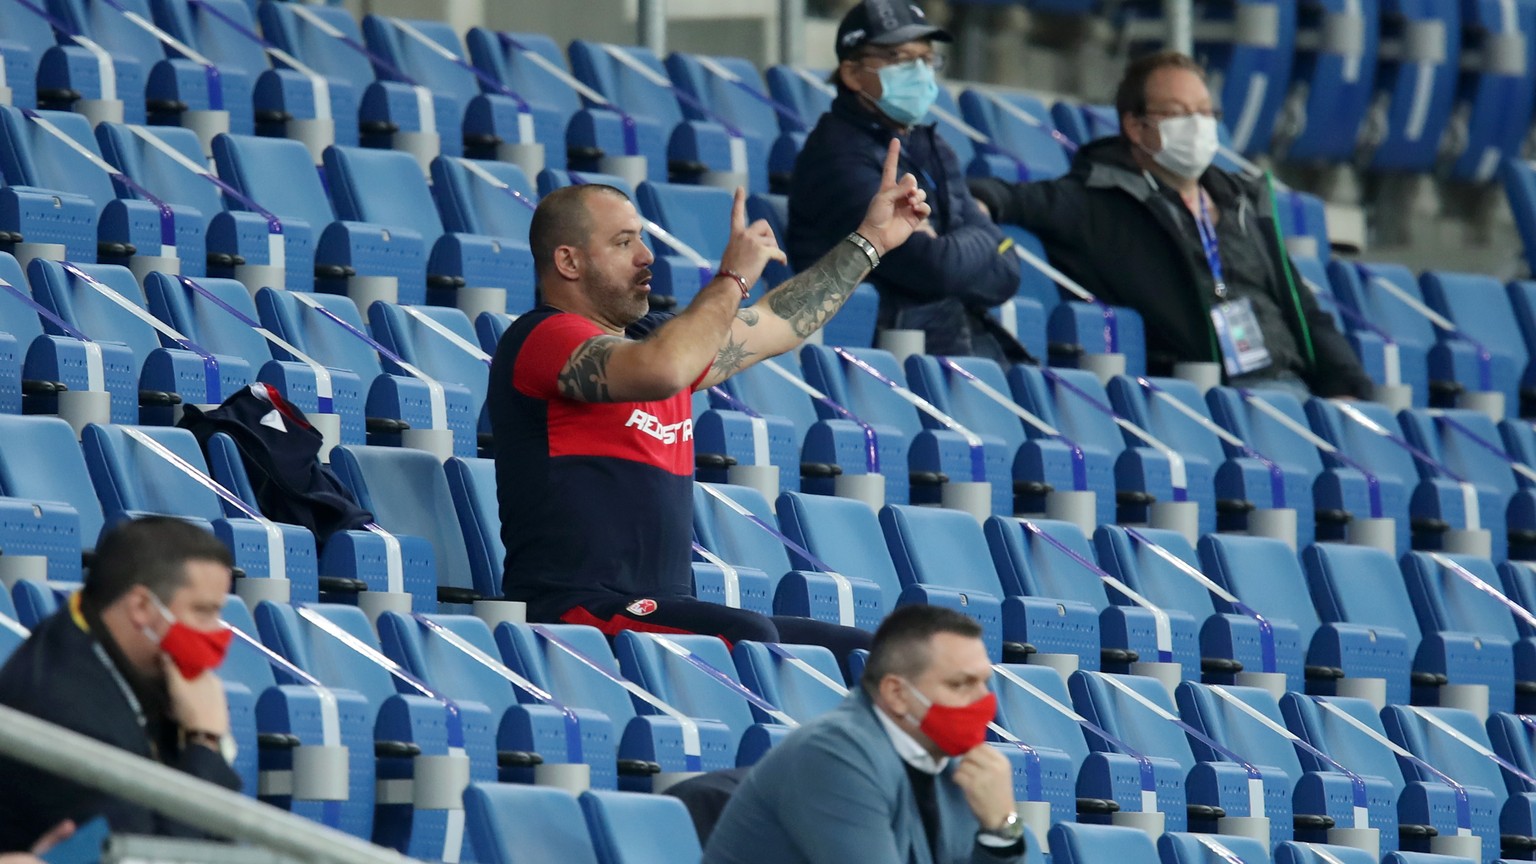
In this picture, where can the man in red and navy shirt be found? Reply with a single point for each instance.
(594, 429)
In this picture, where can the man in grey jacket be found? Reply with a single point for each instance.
(899, 773)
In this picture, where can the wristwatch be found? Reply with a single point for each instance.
(1011, 831)
(224, 745)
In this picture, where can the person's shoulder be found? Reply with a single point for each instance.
(57, 652)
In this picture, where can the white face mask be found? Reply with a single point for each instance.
(1189, 144)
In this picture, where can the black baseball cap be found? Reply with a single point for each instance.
(884, 22)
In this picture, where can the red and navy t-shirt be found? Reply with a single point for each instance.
(596, 499)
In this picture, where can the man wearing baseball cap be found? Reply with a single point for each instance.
(958, 265)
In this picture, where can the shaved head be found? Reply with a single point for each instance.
(563, 219)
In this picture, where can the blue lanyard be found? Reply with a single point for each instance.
(1208, 243)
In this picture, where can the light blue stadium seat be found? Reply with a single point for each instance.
(1028, 150)
(1180, 848)
(531, 727)
(50, 506)
(35, 601)
(472, 117)
(299, 715)
(164, 86)
(407, 493)
(1481, 307)
(320, 250)
(784, 683)
(470, 204)
(941, 557)
(791, 88)
(89, 218)
(510, 823)
(423, 345)
(169, 370)
(696, 691)
(1415, 88)
(393, 397)
(1264, 574)
(1445, 602)
(744, 104)
(1332, 80)
(386, 188)
(627, 828)
(1514, 800)
(383, 106)
(647, 741)
(1072, 843)
(774, 209)
(1419, 798)
(26, 38)
(1469, 448)
(1494, 95)
(1091, 778)
(943, 114)
(1519, 180)
(844, 534)
(1339, 492)
(472, 482)
(1126, 474)
(671, 143)
(1052, 582)
(1315, 790)
(551, 179)
(132, 480)
(908, 438)
(699, 216)
(205, 320)
(411, 722)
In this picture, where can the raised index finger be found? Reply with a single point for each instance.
(892, 155)
(739, 211)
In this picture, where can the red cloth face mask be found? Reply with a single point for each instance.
(193, 651)
(956, 729)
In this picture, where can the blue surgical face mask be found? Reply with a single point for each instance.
(907, 91)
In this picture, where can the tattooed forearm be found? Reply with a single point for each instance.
(585, 375)
(808, 300)
(731, 357)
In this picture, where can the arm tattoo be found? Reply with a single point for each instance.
(728, 362)
(809, 299)
(585, 376)
(748, 317)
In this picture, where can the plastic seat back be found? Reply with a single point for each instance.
(248, 163)
(845, 534)
(681, 684)
(577, 684)
(1032, 566)
(424, 347)
(470, 204)
(1075, 843)
(32, 156)
(42, 462)
(1264, 574)
(1176, 847)
(700, 216)
(515, 824)
(384, 187)
(1151, 575)
(472, 482)
(787, 685)
(734, 537)
(1236, 730)
(161, 174)
(129, 477)
(634, 828)
(944, 548)
(317, 335)
(318, 49)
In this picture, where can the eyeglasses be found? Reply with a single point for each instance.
(1213, 113)
(893, 58)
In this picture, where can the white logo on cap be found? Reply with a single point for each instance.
(918, 12)
(853, 37)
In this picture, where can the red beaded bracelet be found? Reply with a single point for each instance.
(745, 288)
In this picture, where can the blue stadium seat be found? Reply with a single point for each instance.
(698, 692)
(260, 95)
(1445, 602)
(1090, 776)
(390, 396)
(627, 828)
(472, 116)
(699, 216)
(510, 823)
(472, 483)
(320, 39)
(1366, 301)
(26, 37)
(533, 726)
(205, 320)
(1415, 84)
(1180, 848)
(407, 493)
(1494, 96)
(793, 683)
(1333, 77)
(1468, 446)
(823, 526)
(806, 91)
(35, 601)
(471, 203)
(1423, 732)
(173, 370)
(94, 220)
(1265, 574)
(941, 557)
(404, 720)
(132, 480)
(732, 90)
(50, 507)
(1480, 307)
(386, 188)
(307, 716)
(1251, 66)
(165, 86)
(671, 143)
(403, 330)
(1031, 152)
(1319, 789)
(1072, 843)
(648, 740)
(1519, 179)
(1419, 798)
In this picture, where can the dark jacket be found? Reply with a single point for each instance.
(941, 285)
(1106, 227)
(58, 676)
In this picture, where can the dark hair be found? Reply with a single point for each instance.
(901, 644)
(1131, 94)
(562, 219)
(153, 552)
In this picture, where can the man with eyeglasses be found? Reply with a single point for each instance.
(1144, 220)
(958, 266)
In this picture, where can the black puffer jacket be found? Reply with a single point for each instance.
(941, 285)
(1131, 245)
